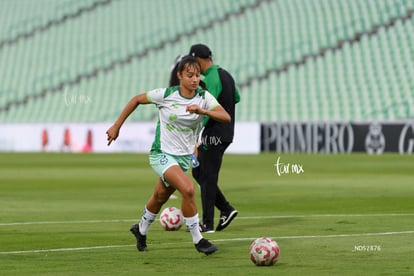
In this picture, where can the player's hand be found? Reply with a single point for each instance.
(195, 109)
(112, 133)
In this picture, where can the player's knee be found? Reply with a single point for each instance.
(187, 191)
(161, 196)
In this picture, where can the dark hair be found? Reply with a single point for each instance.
(179, 67)
(173, 76)
(187, 61)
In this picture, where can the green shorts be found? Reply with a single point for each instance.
(160, 162)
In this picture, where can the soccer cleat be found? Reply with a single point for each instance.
(226, 219)
(204, 246)
(141, 239)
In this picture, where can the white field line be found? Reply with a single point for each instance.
(67, 222)
(248, 218)
(217, 240)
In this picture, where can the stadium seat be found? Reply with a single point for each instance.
(292, 59)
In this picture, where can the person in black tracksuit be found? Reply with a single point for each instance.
(215, 139)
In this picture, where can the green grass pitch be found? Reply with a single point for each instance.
(70, 214)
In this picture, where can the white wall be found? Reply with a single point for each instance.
(134, 137)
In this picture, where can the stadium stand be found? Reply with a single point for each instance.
(300, 60)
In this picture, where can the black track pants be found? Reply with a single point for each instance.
(207, 175)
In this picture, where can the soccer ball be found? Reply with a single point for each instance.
(171, 219)
(264, 251)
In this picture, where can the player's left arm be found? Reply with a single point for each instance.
(218, 113)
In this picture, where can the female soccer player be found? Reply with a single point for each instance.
(182, 109)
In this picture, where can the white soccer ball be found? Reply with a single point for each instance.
(171, 219)
(264, 251)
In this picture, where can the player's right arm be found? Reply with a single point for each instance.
(113, 131)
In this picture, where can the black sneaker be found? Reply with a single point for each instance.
(226, 219)
(141, 239)
(204, 246)
(203, 229)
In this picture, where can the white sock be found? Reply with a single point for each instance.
(146, 220)
(192, 225)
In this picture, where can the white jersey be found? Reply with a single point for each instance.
(177, 130)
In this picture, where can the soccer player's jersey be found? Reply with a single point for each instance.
(177, 130)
